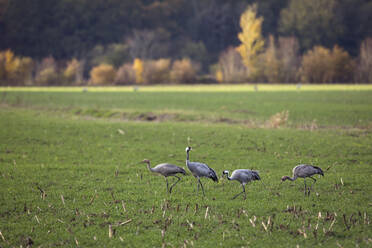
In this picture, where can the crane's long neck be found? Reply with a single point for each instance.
(227, 176)
(187, 158)
(291, 178)
(148, 166)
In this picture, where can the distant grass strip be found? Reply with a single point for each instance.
(200, 88)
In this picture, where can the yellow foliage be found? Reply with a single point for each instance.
(72, 71)
(12, 63)
(102, 74)
(219, 76)
(322, 65)
(47, 76)
(183, 71)
(15, 70)
(250, 37)
(156, 71)
(138, 68)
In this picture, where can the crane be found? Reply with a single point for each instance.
(166, 170)
(200, 170)
(243, 176)
(304, 171)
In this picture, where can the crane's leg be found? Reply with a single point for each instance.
(170, 190)
(201, 186)
(166, 179)
(313, 182)
(245, 196)
(197, 191)
(305, 190)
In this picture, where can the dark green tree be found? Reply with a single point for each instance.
(313, 22)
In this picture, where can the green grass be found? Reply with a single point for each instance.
(199, 88)
(50, 143)
(325, 108)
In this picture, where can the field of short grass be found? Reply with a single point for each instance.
(328, 107)
(69, 174)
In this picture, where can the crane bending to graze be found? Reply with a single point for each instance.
(243, 176)
(166, 170)
(304, 171)
(200, 170)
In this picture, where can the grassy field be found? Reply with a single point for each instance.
(69, 175)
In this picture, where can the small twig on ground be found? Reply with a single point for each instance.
(206, 213)
(125, 222)
(2, 237)
(63, 199)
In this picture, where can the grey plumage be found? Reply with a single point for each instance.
(243, 176)
(200, 170)
(166, 170)
(304, 171)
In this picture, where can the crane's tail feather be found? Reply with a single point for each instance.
(213, 175)
(256, 176)
(319, 170)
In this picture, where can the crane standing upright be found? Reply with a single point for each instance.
(200, 170)
(304, 171)
(166, 170)
(243, 176)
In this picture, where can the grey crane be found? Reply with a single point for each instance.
(166, 170)
(304, 171)
(200, 170)
(243, 176)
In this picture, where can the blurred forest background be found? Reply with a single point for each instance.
(119, 42)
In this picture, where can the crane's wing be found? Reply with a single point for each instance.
(202, 170)
(169, 169)
(249, 173)
(306, 170)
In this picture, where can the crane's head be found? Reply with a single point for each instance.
(284, 178)
(145, 161)
(188, 149)
(225, 172)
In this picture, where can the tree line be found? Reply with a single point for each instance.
(181, 41)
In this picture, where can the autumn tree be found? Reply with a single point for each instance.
(272, 64)
(364, 70)
(15, 70)
(289, 57)
(323, 65)
(231, 67)
(251, 39)
(73, 72)
(102, 74)
(47, 72)
(138, 70)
